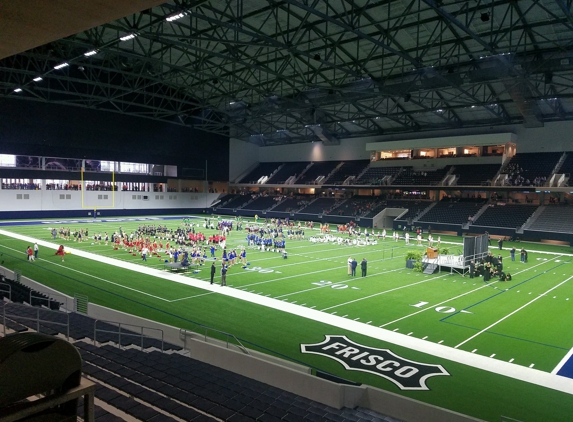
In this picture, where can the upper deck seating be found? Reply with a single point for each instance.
(531, 169)
(508, 215)
(286, 171)
(374, 175)
(318, 168)
(263, 169)
(349, 168)
(476, 174)
(411, 177)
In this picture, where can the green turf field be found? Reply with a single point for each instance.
(526, 321)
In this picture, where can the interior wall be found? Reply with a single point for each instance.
(242, 156)
(349, 149)
(53, 130)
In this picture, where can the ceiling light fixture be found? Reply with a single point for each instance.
(172, 18)
(37, 79)
(18, 90)
(61, 66)
(128, 37)
(90, 53)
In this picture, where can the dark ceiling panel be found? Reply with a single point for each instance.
(31, 23)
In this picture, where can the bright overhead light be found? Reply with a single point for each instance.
(128, 37)
(37, 79)
(61, 66)
(18, 90)
(174, 17)
(90, 53)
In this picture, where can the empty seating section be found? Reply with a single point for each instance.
(358, 206)
(319, 168)
(319, 206)
(262, 203)
(134, 381)
(374, 175)
(349, 168)
(510, 215)
(476, 174)
(411, 177)
(263, 169)
(236, 202)
(291, 204)
(161, 387)
(554, 218)
(451, 211)
(17, 292)
(286, 171)
(529, 168)
(415, 208)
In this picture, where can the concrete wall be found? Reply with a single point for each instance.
(243, 155)
(105, 201)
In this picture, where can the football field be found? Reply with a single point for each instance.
(500, 345)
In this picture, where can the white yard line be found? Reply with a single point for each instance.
(512, 313)
(93, 276)
(529, 375)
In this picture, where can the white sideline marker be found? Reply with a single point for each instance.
(474, 350)
(410, 333)
(532, 365)
(492, 355)
(396, 329)
(369, 322)
(425, 337)
(511, 360)
(440, 342)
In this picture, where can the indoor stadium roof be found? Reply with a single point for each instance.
(280, 72)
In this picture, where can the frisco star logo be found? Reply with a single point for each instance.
(405, 373)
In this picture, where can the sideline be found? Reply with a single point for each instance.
(529, 375)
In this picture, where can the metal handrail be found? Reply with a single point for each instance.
(9, 289)
(47, 299)
(119, 332)
(183, 333)
(37, 318)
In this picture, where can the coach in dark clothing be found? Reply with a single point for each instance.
(363, 266)
(353, 266)
(213, 271)
(472, 269)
